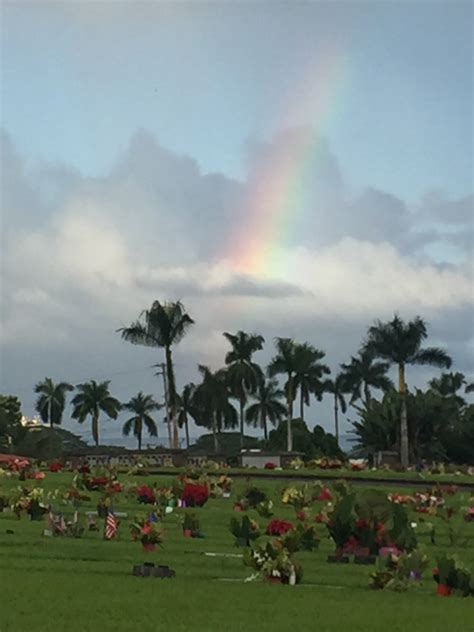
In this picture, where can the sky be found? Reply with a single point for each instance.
(294, 169)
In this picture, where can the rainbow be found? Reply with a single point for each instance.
(277, 189)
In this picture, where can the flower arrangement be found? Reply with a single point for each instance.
(452, 576)
(264, 509)
(398, 572)
(29, 500)
(299, 497)
(325, 463)
(56, 466)
(278, 527)
(195, 495)
(191, 526)
(297, 463)
(84, 469)
(145, 495)
(270, 465)
(244, 530)
(147, 533)
(96, 483)
(274, 563)
(254, 496)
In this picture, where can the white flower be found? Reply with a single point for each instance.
(414, 525)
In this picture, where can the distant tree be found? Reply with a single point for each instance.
(363, 373)
(11, 429)
(52, 400)
(399, 343)
(286, 362)
(337, 388)
(309, 372)
(186, 408)
(92, 398)
(212, 403)
(267, 406)
(142, 406)
(163, 325)
(448, 385)
(243, 375)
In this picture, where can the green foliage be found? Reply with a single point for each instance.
(11, 430)
(451, 572)
(244, 530)
(52, 400)
(398, 573)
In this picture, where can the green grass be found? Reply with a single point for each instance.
(86, 584)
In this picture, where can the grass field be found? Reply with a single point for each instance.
(86, 584)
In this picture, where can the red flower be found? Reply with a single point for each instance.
(84, 469)
(147, 527)
(278, 527)
(325, 494)
(195, 495)
(55, 467)
(270, 466)
(361, 523)
(146, 495)
(301, 515)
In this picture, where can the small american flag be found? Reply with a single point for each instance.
(111, 526)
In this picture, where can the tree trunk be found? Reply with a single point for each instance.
(336, 418)
(139, 441)
(95, 429)
(50, 406)
(302, 404)
(404, 449)
(242, 404)
(264, 424)
(289, 439)
(186, 430)
(173, 420)
(367, 395)
(214, 434)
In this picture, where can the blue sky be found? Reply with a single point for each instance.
(80, 78)
(115, 113)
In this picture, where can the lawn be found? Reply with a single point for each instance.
(86, 584)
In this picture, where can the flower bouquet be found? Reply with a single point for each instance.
(398, 572)
(274, 563)
(55, 467)
(191, 526)
(147, 533)
(278, 527)
(145, 495)
(195, 494)
(452, 576)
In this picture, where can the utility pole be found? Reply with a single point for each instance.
(165, 389)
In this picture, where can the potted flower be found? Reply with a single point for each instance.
(147, 533)
(195, 494)
(191, 526)
(450, 575)
(274, 563)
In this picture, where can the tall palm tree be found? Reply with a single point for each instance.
(142, 406)
(399, 343)
(92, 398)
(212, 402)
(337, 388)
(286, 362)
(363, 373)
(308, 373)
(243, 374)
(163, 325)
(52, 400)
(267, 406)
(448, 384)
(186, 408)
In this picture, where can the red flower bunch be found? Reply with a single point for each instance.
(195, 494)
(96, 483)
(278, 527)
(146, 495)
(270, 466)
(321, 517)
(325, 494)
(301, 515)
(55, 467)
(84, 469)
(114, 488)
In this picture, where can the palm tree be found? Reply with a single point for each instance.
(448, 385)
(399, 343)
(286, 362)
(141, 405)
(212, 402)
(243, 374)
(267, 406)
(337, 388)
(52, 400)
(186, 408)
(92, 398)
(308, 374)
(364, 373)
(164, 325)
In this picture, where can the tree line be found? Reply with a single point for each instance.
(260, 398)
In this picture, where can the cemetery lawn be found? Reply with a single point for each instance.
(86, 585)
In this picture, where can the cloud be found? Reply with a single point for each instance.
(83, 256)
